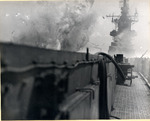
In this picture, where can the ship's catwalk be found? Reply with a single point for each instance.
(132, 102)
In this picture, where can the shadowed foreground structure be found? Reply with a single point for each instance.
(41, 84)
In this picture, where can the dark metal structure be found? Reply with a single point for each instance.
(126, 67)
(47, 84)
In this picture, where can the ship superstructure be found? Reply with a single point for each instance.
(123, 33)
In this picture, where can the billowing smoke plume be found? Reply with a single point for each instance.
(124, 43)
(56, 25)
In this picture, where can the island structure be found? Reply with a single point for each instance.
(123, 33)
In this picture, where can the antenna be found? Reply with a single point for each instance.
(124, 3)
(136, 13)
(144, 54)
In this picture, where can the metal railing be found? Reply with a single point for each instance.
(142, 65)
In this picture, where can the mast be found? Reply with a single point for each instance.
(124, 3)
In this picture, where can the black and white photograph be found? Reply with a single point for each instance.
(75, 59)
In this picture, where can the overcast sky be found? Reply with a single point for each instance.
(101, 38)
